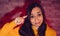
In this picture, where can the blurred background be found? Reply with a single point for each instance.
(10, 9)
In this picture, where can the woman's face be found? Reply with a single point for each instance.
(36, 16)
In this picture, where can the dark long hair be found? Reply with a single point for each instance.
(26, 29)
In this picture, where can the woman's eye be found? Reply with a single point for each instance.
(32, 17)
(39, 14)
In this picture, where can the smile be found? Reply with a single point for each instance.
(37, 23)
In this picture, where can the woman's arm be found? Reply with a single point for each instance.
(10, 26)
(6, 28)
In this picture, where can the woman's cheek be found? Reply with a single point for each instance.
(32, 21)
(41, 19)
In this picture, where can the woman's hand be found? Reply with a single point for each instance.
(20, 20)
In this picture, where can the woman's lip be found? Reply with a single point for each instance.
(37, 23)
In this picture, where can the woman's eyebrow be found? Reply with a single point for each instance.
(31, 14)
(38, 12)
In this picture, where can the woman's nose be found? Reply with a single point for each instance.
(36, 18)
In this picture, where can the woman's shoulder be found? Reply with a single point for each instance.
(50, 31)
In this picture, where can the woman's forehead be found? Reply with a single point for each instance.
(36, 10)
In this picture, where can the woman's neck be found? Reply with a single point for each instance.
(36, 27)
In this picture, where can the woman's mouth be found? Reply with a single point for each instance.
(37, 23)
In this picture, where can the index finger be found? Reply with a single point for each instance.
(24, 17)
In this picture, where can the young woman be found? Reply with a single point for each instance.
(34, 24)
